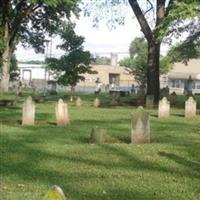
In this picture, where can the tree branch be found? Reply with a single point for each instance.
(151, 8)
(141, 19)
(160, 13)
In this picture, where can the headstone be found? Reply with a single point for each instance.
(62, 116)
(55, 193)
(189, 85)
(115, 98)
(164, 108)
(140, 127)
(164, 92)
(98, 136)
(78, 102)
(97, 102)
(149, 101)
(28, 112)
(173, 98)
(190, 108)
(141, 96)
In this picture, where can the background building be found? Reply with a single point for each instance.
(177, 79)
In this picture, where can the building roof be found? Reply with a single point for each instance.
(182, 71)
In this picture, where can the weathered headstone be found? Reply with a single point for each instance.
(141, 96)
(149, 101)
(173, 98)
(28, 112)
(164, 92)
(78, 102)
(190, 108)
(115, 98)
(164, 108)
(97, 102)
(98, 135)
(62, 116)
(55, 193)
(140, 127)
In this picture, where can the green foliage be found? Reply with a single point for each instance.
(101, 60)
(14, 73)
(182, 52)
(69, 69)
(30, 20)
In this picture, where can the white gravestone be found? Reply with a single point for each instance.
(62, 116)
(190, 108)
(140, 127)
(28, 112)
(164, 108)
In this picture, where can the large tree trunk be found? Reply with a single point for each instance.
(72, 92)
(153, 74)
(5, 76)
(6, 58)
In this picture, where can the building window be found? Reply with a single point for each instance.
(176, 83)
(198, 85)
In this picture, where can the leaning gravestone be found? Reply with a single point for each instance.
(62, 116)
(28, 112)
(190, 108)
(140, 127)
(78, 102)
(97, 102)
(55, 193)
(149, 101)
(164, 108)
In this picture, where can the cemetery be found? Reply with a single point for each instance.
(99, 100)
(105, 152)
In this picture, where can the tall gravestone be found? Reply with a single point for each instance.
(28, 112)
(190, 108)
(149, 101)
(78, 102)
(97, 102)
(62, 116)
(55, 193)
(164, 108)
(140, 127)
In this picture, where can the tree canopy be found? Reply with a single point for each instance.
(29, 22)
(69, 69)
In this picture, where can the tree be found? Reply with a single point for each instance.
(101, 60)
(14, 72)
(137, 62)
(69, 69)
(28, 21)
(169, 19)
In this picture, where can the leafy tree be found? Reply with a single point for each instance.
(14, 72)
(169, 19)
(69, 69)
(101, 60)
(137, 62)
(28, 21)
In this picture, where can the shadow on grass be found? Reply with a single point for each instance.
(195, 166)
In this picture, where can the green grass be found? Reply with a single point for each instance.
(32, 159)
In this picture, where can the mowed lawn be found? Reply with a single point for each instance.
(32, 159)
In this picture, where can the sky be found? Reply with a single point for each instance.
(101, 40)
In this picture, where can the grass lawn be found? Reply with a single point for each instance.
(32, 159)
